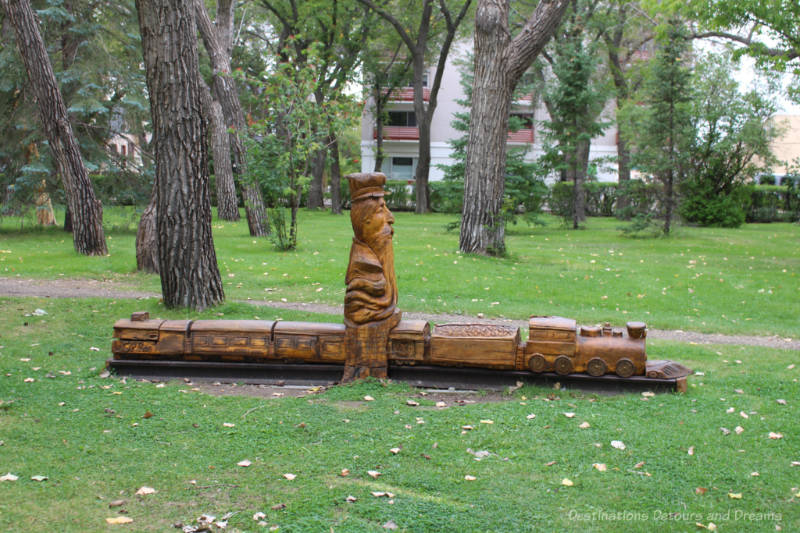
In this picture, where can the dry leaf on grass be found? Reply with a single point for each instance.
(600, 467)
(412, 403)
(781, 401)
(691, 450)
(735, 495)
(441, 404)
(639, 464)
(774, 435)
(289, 476)
(394, 450)
(738, 430)
(531, 416)
(700, 490)
(725, 431)
(228, 425)
(487, 421)
(373, 474)
(381, 494)
(469, 478)
(390, 525)
(9, 477)
(368, 398)
(278, 506)
(569, 415)
(119, 520)
(259, 516)
(585, 425)
(144, 491)
(618, 444)
(345, 472)
(351, 499)
(567, 482)
(39, 478)
(244, 463)
(116, 503)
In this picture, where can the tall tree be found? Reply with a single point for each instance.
(87, 212)
(218, 41)
(500, 61)
(418, 43)
(187, 261)
(576, 94)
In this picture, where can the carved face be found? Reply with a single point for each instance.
(372, 222)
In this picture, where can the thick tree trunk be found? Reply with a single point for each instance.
(378, 130)
(147, 239)
(218, 43)
(336, 176)
(623, 172)
(227, 202)
(423, 115)
(482, 228)
(187, 261)
(499, 64)
(577, 171)
(84, 207)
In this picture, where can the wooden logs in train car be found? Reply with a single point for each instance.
(231, 340)
(474, 345)
(555, 343)
(309, 342)
(408, 342)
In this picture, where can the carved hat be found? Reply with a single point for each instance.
(366, 185)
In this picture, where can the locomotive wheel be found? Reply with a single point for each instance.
(596, 367)
(537, 363)
(563, 365)
(625, 368)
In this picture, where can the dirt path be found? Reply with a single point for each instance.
(87, 288)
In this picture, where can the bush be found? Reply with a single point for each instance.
(399, 195)
(560, 199)
(701, 205)
(601, 198)
(447, 196)
(773, 203)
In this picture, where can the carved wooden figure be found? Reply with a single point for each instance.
(370, 301)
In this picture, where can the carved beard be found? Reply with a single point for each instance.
(381, 244)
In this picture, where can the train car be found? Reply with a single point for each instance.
(556, 344)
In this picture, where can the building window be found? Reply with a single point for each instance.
(402, 118)
(402, 168)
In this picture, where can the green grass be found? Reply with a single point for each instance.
(701, 279)
(88, 435)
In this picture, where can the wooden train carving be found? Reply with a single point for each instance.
(554, 344)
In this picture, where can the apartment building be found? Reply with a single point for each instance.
(401, 134)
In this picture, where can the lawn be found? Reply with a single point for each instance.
(98, 440)
(701, 279)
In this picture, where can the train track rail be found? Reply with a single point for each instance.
(311, 374)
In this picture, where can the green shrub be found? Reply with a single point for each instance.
(700, 205)
(772, 203)
(447, 196)
(560, 199)
(641, 198)
(601, 197)
(399, 195)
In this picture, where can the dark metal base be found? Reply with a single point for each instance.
(418, 376)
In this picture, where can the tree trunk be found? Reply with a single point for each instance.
(577, 173)
(85, 209)
(623, 173)
(227, 202)
(187, 261)
(482, 229)
(317, 172)
(423, 115)
(147, 239)
(499, 64)
(224, 89)
(336, 176)
(378, 129)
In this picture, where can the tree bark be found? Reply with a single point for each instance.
(218, 43)
(147, 239)
(315, 187)
(187, 261)
(85, 209)
(218, 142)
(336, 175)
(499, 64)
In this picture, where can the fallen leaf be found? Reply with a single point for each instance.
(754, 474)
(691, 450)
(143, 491)
(259, 516)
(373, 474)
(738, 430)
(700, 490)
(600, 467)
(39, 478)
(244, 463)
(278, 506)
(648, 394)
(569, 415)
(380, 494)
(774, 435)
(395, 450)
(487, 421)
(781, 401)
(119, 520)
(795, 463)
(585, 425)
(639, 464)
(94, 349)
(618, 444)
(441, 404)
(738, 391)
(567, 482)
(729, 410)
(390, 525)
(412, 403)
(743, 414)
(351, 499)
(345, 472)
(551, 463)
(531, 416)
(467, 428)
(725, 431)
(289, 476)
(368, 398)
(228, 425)
(735, 495)
(29, 380)
(790, 367)
(147, 414)
(9, 477)
(116, 503)
(469, 478)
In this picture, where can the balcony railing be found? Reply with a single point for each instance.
(398, 133)
(521, 136)
(406, 94)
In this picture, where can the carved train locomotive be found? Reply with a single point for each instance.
(555, 344)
